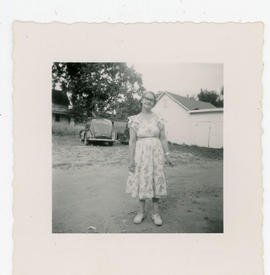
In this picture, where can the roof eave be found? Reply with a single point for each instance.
(173, 99)
(212, 110)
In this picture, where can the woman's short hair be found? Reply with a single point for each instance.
(152, 93)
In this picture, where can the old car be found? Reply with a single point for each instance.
(98, 130)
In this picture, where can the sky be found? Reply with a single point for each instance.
(180, 78)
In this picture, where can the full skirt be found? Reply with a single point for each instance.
(148, 181)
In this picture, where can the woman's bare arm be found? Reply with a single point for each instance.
(165, 146)
(164, 141)
(132, 146)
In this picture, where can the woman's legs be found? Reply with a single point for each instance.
(156, 216)
(141, 213)
(155, 205)
(141, 206)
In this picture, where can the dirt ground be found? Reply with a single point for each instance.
(89, 190)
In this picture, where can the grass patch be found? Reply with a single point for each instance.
(211, 153)
(60, 129)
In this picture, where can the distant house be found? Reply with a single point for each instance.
(191, 122)
(61, 113)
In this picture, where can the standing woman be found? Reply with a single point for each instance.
(148, 150)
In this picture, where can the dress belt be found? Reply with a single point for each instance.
(145, 137)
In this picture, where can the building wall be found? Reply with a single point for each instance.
(207, 129)
(176, 120)
(182, 127)
(60, 114)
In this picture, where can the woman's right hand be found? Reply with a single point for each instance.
(169, 161)
(131, 166)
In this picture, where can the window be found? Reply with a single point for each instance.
(57, 118)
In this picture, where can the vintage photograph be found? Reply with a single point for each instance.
(125, 157)
(137, 147)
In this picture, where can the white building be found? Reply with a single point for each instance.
(191, 122)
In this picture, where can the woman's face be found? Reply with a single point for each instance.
(148, 101)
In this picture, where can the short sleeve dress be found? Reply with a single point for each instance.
(148, 180)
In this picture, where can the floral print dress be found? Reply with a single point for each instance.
(148, 180)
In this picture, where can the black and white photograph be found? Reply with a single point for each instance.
(137, 147)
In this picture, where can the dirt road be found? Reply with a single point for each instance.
(89, 191)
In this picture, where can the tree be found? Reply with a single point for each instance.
(212, 97)
(192, 96)
(99, 89)
(221, 96)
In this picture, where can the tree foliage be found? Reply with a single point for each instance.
(212, 97)
(99, 89)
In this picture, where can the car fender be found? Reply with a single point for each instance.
(88, 134)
